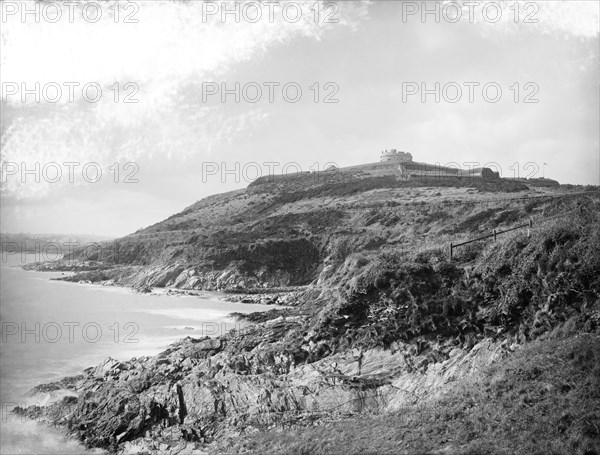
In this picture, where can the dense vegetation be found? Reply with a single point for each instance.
(370, 259)
(539, 291)
(521, 286)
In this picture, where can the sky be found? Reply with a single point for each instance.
(514, 85)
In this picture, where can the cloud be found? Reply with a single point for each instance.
(578, 19)
(164, 56)
(170, 43)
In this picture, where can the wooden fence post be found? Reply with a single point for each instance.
(529, 228)
(451, 250)
(495, 235)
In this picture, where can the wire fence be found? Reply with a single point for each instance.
(495, 233)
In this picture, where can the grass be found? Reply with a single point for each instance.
(378, 287)
(520, 285)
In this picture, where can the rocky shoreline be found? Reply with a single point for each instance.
(199, 391)
(377, 331)
(286, 298)
(98, 274)
(90, 272)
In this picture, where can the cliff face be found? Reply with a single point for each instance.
(282, 232)
(386, 322)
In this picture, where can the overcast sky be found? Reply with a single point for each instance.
(369, 57)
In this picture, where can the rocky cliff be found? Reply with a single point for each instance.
(385, 321)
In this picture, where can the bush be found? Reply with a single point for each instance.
(530, 206)
(470, 252)
(521, 285)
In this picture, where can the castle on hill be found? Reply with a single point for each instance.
(395, 156)
(408, 168)
(401, 165)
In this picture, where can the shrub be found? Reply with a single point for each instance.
(522, 285)
(469, 252)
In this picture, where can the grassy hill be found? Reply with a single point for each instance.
(390, 345)
(284, 232)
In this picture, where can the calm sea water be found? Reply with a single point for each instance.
(51, 329)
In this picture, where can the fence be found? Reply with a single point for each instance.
(496, 233)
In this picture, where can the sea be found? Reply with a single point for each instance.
(51, 329)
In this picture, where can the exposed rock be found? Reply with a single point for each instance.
(143, 289)
(197, 389)
(375, 330)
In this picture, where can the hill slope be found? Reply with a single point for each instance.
(387, 322)
(284, 232)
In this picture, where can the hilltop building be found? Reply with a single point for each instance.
(395, 156)
(407, 168)
(392, 162)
